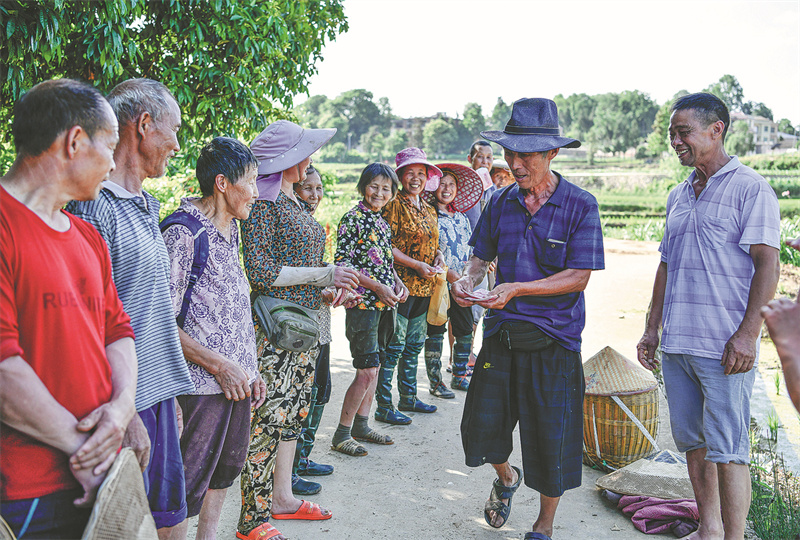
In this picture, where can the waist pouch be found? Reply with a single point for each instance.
(524, 336)
(288, 326)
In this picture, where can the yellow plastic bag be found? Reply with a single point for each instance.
(440, 300)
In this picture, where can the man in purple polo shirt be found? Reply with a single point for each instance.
(545, 233)
(719, 266)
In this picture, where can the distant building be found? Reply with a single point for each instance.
(764, 130)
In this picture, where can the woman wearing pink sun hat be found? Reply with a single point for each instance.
(415, 246)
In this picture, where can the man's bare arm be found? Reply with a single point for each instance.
(108, 422)
(740, 351)
(474, 272)
(567, 281)
(28, 406)
(646, 349)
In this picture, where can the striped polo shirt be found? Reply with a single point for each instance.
(706, 247)
(140, 266)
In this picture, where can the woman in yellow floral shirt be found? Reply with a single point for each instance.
(415, 246)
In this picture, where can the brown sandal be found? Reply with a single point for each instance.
(374, 437)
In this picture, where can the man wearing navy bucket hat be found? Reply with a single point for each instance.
(545, 233)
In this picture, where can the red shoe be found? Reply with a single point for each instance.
(262, 532)
(307, 510)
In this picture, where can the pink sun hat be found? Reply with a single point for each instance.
(281, 146)
(414, 156)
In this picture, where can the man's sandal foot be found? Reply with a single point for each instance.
(496, 505)
(374, 437)
(265, 531)
(536, 536)
(307, 510)
(350, 447)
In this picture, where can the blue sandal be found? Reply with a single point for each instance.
(536, 536)
(495, 503)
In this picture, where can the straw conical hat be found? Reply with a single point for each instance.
(663, 475)
(608, 373)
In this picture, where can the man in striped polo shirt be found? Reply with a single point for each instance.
(127, 218)
(719, 266)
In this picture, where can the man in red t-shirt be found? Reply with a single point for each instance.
(67, 358)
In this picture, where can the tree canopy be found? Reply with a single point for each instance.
(439, 136)
(728, 90)
(785, 126)
(231, 64)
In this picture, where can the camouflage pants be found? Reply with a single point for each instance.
(289, 377)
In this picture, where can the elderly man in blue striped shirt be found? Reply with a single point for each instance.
(545, 233)
(719, 266)
(127, 217)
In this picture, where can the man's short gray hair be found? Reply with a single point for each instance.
(131, 98)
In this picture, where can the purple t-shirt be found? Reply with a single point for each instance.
(706, 247)
(564, 233)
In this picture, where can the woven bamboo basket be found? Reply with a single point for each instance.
(620, 411)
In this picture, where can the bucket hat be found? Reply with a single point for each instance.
(469, 187)
(415, 156)
(500, 164)
(281, 146)
(533, 127)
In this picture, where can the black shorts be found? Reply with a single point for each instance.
(414, 306)
(369, 331)
(460, 317)
(541, 390)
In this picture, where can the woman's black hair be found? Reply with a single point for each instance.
(225, 156)
(372, 171)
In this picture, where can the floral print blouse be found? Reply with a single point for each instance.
(365, 243)
(219, 311)
(415, 233)
(279, 234)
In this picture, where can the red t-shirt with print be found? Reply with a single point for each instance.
(58, 311)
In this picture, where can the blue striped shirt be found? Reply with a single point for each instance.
(564, 233)
(706, 247)
(140, 266)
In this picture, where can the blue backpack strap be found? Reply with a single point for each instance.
(201, 250)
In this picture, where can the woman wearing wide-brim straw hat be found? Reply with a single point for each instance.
(415, 246)
(460, 188)
(283, 249)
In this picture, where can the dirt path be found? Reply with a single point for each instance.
(419, 488)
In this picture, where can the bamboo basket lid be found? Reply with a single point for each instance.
(663, 475)
(608, 373)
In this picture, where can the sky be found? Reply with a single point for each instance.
(432, 56)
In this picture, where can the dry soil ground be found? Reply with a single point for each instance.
(419, 488)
